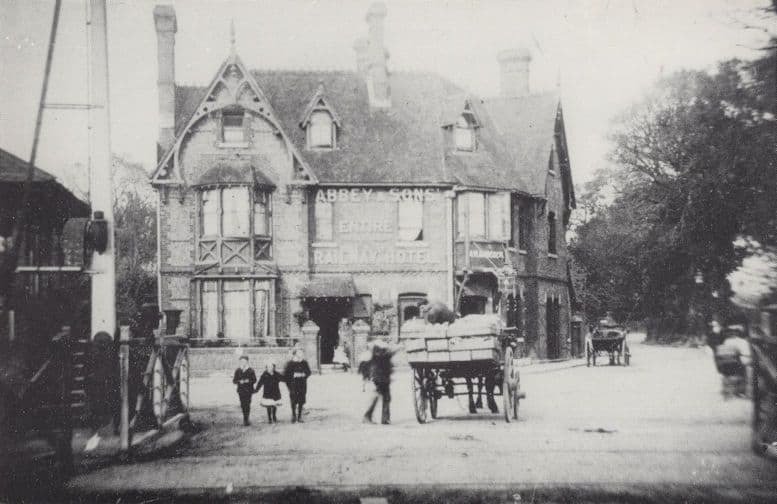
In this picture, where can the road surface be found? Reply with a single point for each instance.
(658, 429)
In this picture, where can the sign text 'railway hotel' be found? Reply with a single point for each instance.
(288, 196)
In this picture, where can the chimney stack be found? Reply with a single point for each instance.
(361, 46)
(166, 27)
(514, 72)
(377, 70)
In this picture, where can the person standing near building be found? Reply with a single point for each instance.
(245, 378)
(271, 396)
(381, 368)
(296, 377)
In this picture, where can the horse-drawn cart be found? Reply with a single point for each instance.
(608, 338)
(473, 351)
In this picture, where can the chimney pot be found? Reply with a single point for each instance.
(514, 72)
(166, 26)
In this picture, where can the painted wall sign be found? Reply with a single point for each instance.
(367, 195)
(363, 254)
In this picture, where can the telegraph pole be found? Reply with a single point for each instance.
(103, 264)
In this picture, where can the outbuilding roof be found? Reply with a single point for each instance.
(406, 144)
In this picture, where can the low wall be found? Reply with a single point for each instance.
(208, 361)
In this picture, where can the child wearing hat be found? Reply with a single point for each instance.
(271, 397)
(244, 379)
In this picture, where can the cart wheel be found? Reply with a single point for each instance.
(419, 395)
(764, 410)
(183, 381)
(510, 384)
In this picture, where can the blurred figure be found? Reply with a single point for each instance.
(381, 368)
(732, 358)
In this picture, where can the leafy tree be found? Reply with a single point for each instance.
(135, 234)
(694, 184)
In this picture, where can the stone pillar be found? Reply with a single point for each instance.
(361, 333)
(310, 345)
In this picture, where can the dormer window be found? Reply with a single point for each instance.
(321, 130)
(232, 129)
(464, 134)
(320, 122)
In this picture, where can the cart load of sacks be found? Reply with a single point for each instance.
(470, 338)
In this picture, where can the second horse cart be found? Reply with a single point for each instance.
(451, 360)
(608, 338)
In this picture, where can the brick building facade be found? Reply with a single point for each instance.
(287, 196)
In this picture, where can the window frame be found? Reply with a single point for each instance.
(260, 245)
(252, 287)
(464, 124)
(314, 122)
(223, 128)
(419, 236)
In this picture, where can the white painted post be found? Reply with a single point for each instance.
(101, 180)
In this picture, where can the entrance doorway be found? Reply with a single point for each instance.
(327, 312)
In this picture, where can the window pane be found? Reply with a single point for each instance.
(477, 215)
(320, 129)
(210, 310)
(237, 311)
(261, 215)
(210, 213)
(262, 316)
(233, 128)
(235, 201)
(464, 139)
(411, 220)
(324, 222)
(461, 215)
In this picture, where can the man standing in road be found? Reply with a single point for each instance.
(381, 368)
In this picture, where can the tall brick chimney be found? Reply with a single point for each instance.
(377, 57)
(166, 27)
(514, 72)
(360, 47)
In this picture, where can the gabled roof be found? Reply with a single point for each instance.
(528, 127)
(52, 195)
(14, 170)
(406, 144)
(319, 102)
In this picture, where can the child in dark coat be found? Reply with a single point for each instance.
(296, 376)
(271, 397)
(244, 379)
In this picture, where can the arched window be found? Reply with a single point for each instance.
(321, 130)
(464, 134)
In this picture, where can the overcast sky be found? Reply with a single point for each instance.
(605, 53)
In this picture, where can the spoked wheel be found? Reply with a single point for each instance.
(183, 381)
(764, 410)
(419, 396)
(510, 384)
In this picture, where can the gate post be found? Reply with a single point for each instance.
(124, 386)
(310, 345)
(361, 332)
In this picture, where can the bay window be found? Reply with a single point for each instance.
(235, 226)
(410, 220)
(484, 216)
(234, 310)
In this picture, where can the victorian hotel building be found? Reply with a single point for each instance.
(295, 196)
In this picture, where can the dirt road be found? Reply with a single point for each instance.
(658, 424)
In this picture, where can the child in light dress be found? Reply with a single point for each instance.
(271, 395)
